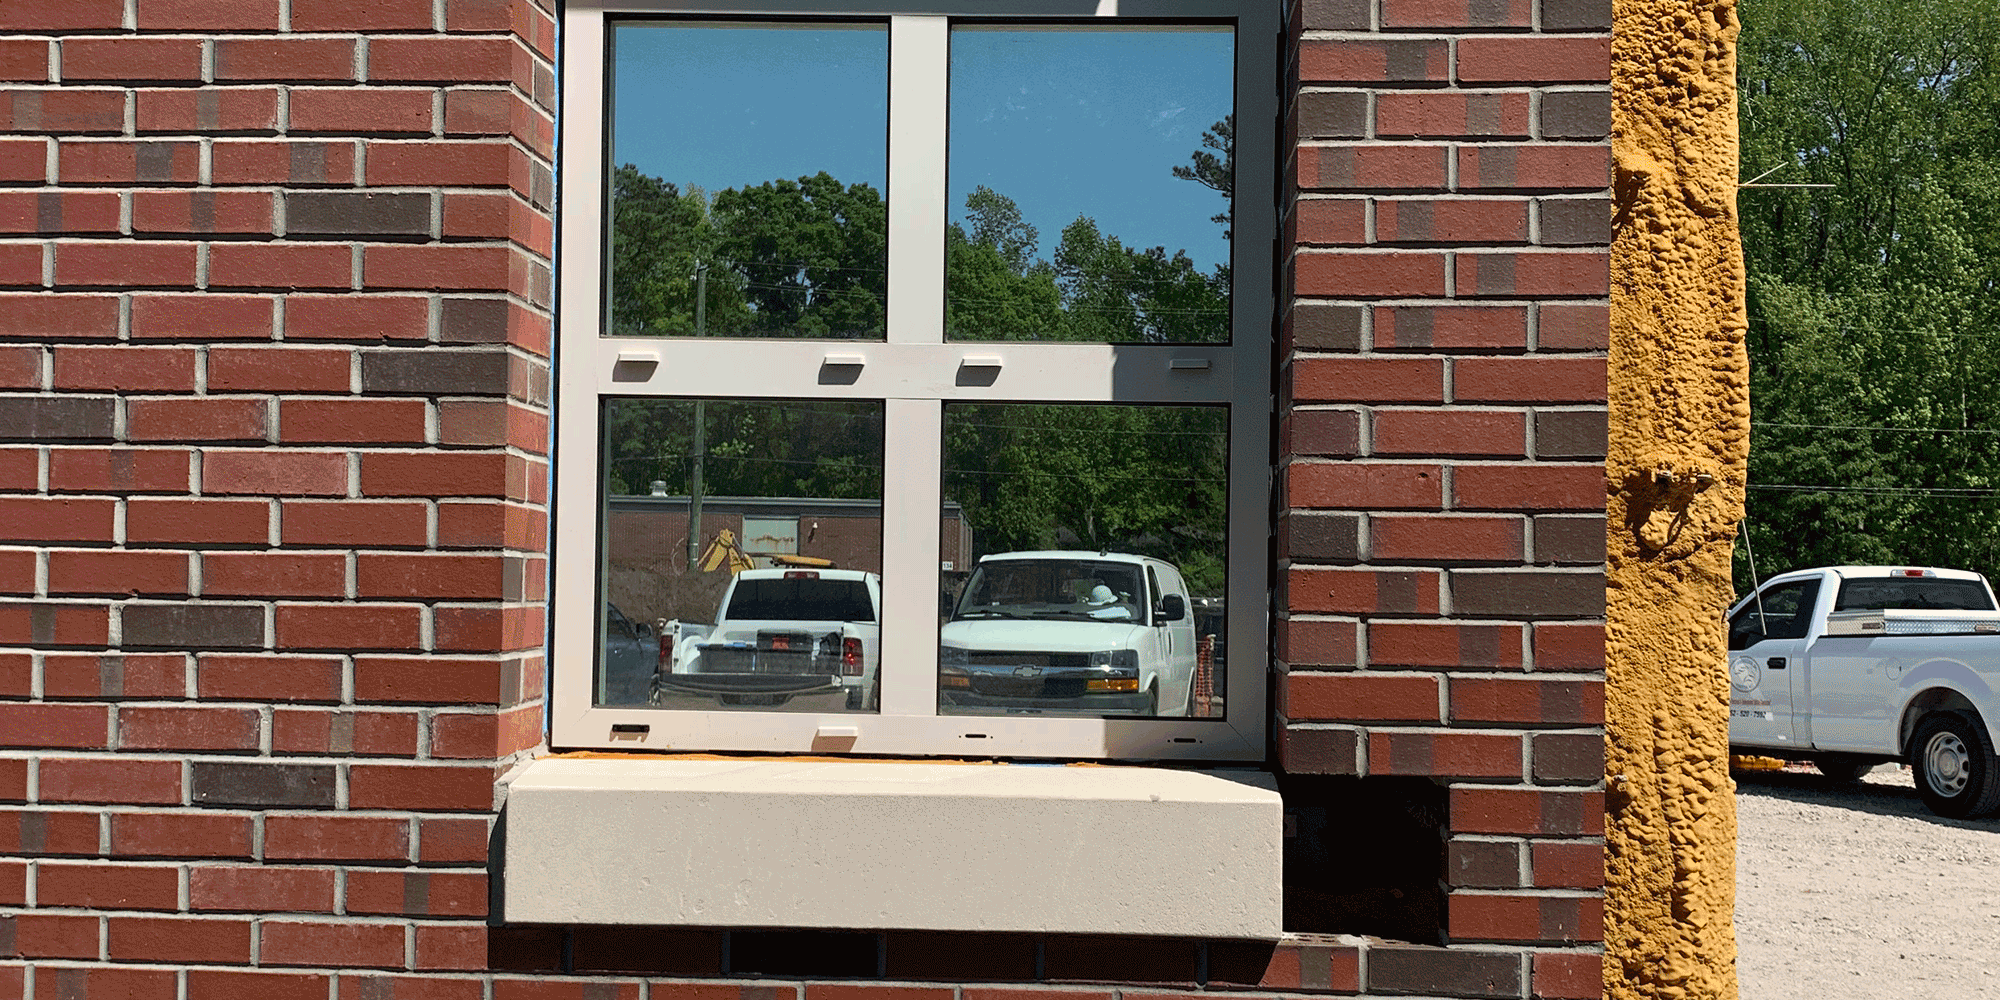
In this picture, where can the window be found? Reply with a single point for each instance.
(1783, 611)
(914, 379)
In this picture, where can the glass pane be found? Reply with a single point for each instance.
(749, 164)
(1090, 179)
(1099, 536)
(773, 604)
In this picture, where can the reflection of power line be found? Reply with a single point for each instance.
(1908, 430)
(1947, 491)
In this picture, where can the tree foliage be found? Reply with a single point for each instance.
(1874, 328)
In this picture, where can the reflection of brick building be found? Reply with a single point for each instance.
(648, 545)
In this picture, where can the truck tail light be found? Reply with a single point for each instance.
(850, 656)
(666, 649)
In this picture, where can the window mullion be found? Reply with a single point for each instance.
(919, 68)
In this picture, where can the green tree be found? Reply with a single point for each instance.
(1214, 165)
(811, 255)
(659, 235)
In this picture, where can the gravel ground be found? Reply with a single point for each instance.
(1860, 892)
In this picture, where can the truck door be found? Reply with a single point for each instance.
(1767, 646)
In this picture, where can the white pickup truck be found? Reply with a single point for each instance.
(784, 640)
(1851, 666)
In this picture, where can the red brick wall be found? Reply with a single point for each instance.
(273, 382)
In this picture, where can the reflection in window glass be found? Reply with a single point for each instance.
(772, 605)
(1091, 171)
(1099, 536)
(748, 164)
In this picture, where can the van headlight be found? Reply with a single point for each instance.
(1115, 659)
(952, 656)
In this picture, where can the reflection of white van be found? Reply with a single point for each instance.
(1087, 633)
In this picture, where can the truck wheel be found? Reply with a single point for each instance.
(1840, 769)
(1955, 770)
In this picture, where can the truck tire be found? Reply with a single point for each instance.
(1841, 769)
(1956, 774)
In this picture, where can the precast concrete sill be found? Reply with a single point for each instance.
(757, 843)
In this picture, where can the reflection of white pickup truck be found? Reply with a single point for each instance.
(1090, 633)
(1851, 666)
(784, 640)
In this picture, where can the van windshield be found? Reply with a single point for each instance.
(1912, 593)
(1075, 589)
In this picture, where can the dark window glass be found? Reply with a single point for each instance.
(809, 599)
(1912, 594)
(1785, 613)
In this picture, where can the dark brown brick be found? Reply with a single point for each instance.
(357, 213)
(263, 785)
(1527, 594)
(473, 321)
(1326, 328)
(1567, 758)
(1334, 433)
(968, 957)
(1333, 537)
(1570, 433)
(1334, 15)
(1576, 15)
(1319, 751)
(1448, 971)
(1576, 222)
(660, 951)
(1569, 539)
(1338, 115)
(1090, 958)
(55, 418)
(201, 626)
(1576, 114)
(434, 372)
(1483, 864)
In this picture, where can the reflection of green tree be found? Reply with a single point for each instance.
(781, 448)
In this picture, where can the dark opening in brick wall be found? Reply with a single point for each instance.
(1365, 856)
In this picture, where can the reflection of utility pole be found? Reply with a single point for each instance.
(698, 446)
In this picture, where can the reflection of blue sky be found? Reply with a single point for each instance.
(1067, 122)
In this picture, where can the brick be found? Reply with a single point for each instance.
(290, 162)
(430, 474)
(208, 15)
(1452, 114)
(430, 577)
(82, 779)
(434, 372)
(337, 838)
(463, 163)
(442, 59)
(20, 469)
(1457, 222)
(1446, 755)
(1363, 167)
(344, 317)
(1527, 593)
(1568, 758)
(53, 983)
(60, 315)
(69, 213)
(1563, 327)
(1330, 222)
(118, 573)
(1368, 380)
(1500, 917)
(1574, 221)
(1567, 646)
(478, 947)
(432, 680)
(485, 525)
(23, 160)
(373, 110)
(537, 989)
(126, 265)
(21, 265)
(190, 420)
(279, 265)
(48, 935)
(17, 572)
(128, 59)
(114, 675)
(43, 726)
(1403, 968)
(1576, 114)
(1445, 539)
(188, 728)
(369, 15)
(154, 161)
(1527, 701)
(374, 524)
(125, 369)
(417, 894)
(1528, 487)
(220, 985)
(452, 841)
(1332, 433)
(1360, 486)
(284, 59)
(1483, 864)
(25, 60)
(464, 736)
(1344, 61)
(1569, 540)
(481, 629)
(261, 785)
(197, 522)
(260, 889)
(66, 111)
(196, 626)
(24, 623)
(1369, 274)
(278, 369)
(204, 317)
(1568, 975)
(1516, 59)
(491, 216)
(204, 212)
(1571, 433)
(179, 939)
(274, 574)
(433, 789)
(1443, 644)
(357, 214)
(374, 421)
(1322, 115)
(275, 473)
(34, 831)
(1361, 697)
(320, 733)
(1526, 811)
(180, 835)
(1546, 167)
(1539, 275)
(268, 678)
(57, 418)
(1327, 537)
(21, 367)
(1562, 864)
(1358, 591)
(1499, 433)
(1318, 750)
(348, 626)
(490, 422)
(369, 987)
(107, 886)
(443, 267)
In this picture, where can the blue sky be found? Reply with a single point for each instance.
(1066, 122)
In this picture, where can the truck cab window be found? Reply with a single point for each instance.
(1786, 613)
(1912, 594)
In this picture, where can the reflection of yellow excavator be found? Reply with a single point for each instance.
(800, 562)
(725, 550)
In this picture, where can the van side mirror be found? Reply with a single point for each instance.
(1173, 608)
(645, 631)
